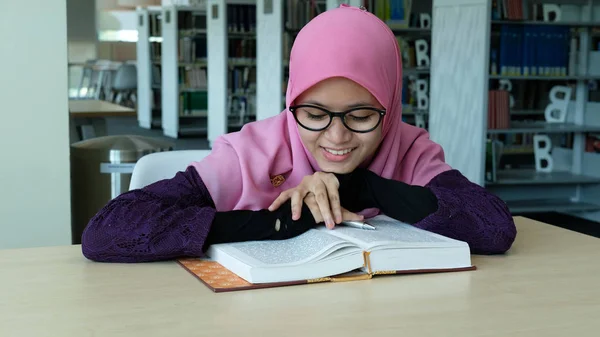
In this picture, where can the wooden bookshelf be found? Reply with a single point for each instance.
(148, 49)
(209, 67)
(463, 118)
(184, 63)
(408, 30)
(231, 65)
(281, 24)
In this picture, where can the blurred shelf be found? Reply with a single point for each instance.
(195, 114)
(544, 23)
(544, 127)
(408, 110)
(184, 89)
(242, 35)
(415, 71)
(517, 150)
(532, 177)
(410, 31)
(191, 32)
(544, 78)
(527, 112)
(550, 205)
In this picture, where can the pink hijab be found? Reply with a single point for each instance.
(343, 42)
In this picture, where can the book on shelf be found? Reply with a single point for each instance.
(322, 255)
(241, 18)
(399, 14)
(533, 50)
(493, 156)
(498, 109)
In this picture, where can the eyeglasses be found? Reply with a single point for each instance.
(359, 119)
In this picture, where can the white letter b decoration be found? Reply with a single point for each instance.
(541, 151)
(556, 111)
(551, 12)
(422, 53)
(425, 20)
(422, 95)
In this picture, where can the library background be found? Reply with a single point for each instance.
(509, 88)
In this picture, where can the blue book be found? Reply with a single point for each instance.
(397, 10)
(503, 60)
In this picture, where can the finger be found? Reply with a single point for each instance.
(297, 201)
(350, 216)
(281, 199)
(320, 192)
(311, 202)
(333, 194)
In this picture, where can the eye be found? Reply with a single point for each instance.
(313, 113)
(361, 115)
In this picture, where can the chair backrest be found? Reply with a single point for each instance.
(162, 165)
(125, 77)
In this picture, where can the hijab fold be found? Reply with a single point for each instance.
(344, 42)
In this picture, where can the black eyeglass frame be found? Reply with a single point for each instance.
(341, 115)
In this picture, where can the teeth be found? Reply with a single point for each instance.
(339, 153)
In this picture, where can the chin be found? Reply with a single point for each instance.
(339, 168)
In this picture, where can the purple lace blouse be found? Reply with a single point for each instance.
(171, 218)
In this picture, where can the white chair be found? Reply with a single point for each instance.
(162, 165)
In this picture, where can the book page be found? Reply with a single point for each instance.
(392, 233)
(311, 245)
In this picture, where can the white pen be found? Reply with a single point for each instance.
(358, 224)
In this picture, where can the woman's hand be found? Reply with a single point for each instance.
(320, 192)
(313, 206)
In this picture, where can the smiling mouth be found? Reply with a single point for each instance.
(339, 152)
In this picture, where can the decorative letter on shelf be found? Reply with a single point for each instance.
(507, 85)
(551, 12)
(425, 20)
(556, 111)
(420, 120)
(422, 94)
(541, 150)
(422, 50)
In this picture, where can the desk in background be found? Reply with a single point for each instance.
(88, 117)
(547, 285)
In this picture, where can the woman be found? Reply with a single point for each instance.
(339, 151)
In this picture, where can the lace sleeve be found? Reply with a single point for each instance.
(165, 220)
(468, 212)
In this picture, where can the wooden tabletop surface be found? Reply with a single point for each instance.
(547, 285)
(97, 108)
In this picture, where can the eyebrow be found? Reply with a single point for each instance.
(350, 106)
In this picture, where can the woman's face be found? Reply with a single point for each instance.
(337, 149)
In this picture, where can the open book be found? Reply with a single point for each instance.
(321, 254)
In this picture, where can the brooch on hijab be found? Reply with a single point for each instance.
(277, 180)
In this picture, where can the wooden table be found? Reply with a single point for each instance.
(548, 285)
(88, 117)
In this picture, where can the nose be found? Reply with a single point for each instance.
(337, 133)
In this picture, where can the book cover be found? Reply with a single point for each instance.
(220, 279)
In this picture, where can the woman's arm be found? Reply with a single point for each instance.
(470, 213)
(161, 221)
(449, 205)
(176, 217)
